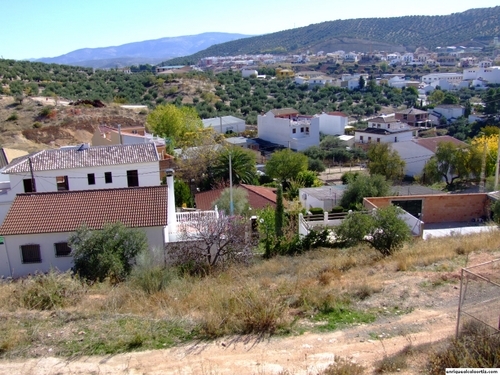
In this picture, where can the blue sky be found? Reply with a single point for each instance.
(49, 28)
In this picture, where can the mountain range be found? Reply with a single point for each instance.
(145, 52)
(474, 27)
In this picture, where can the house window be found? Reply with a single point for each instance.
(378, 140)
(388, 126)
(31, 254)
(395, 139)
(361, 138)
(29, 185)
(132, 178)
(62, 183)
(91, 178)
(369, 139)
(302, 130)
(307, 130)
(62, 249)
(108, 177)
(294, 130)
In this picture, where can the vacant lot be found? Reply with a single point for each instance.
(327, 303)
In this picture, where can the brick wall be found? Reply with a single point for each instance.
(443, 207)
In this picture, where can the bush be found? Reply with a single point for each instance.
(343, 366)
(316, 210)
(13, 117)
(337, 210)
(107, 253)
(150, 273)
(47, 291)
(37, 125)
(476, 347)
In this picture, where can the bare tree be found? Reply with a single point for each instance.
(206, 242)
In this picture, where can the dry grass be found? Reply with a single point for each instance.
(269, 297)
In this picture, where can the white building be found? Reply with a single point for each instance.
(384, 129)
(225, 124)
(288, 128)
(80, 168)
(333, 123)
(38, 225)
(324, 197)
(490, 75)
(450, 112)
(452, 78)
(246, 73)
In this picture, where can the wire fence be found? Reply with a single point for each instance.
(479, 301)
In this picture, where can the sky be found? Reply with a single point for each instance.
(49, 28)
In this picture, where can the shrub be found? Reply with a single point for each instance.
(47, 291)
(37, 125)
(13, 117)
(150, 273)
(476, 347)
(343, 366)
(337, 210)
(106, 253)
(316, 210)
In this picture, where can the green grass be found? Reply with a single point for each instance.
(339, 316)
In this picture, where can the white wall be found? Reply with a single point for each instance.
(12, 256)
(149, 175)
(414, 155)
(332, 125)
(450, 112)
(280, 131)
(390, 138)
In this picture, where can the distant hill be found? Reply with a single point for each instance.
(146, 52)
(365, 34)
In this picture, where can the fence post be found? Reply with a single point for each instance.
(325, 217)
(459, 304)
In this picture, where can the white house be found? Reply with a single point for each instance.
(38, 225)
(81, 168)
(490, 74)
(452, 78)
(246, 73)
(225, 124)
(324, 197)
(288, 128)
(384, 129)
(333, 123)
(417, 152)
(448, 111)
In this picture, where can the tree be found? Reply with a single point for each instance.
(183, 196)
(209, 242)
(178, 124)
(240, 202)
(364, 186)
(280, 212)
(383, 229)
(242, 165)
(285, 165)
(385, 162)
(452, 162)
(106, 253)
(361, 83)
(436, 97)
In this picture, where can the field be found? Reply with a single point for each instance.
(287, 315)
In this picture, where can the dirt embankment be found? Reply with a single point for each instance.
(33, 126)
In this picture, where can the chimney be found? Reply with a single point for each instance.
(171, 216)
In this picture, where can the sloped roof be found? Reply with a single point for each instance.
(258, 197)
(84, 157)
(432, 143)
(413, 111)
(53, 212)
(9, 154)
(284, 111)
(384, 119)
(226, 120)
(337, 113)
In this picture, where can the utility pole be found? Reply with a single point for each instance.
(231, 205)
(496, 166)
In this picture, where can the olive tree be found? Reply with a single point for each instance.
(383, 229)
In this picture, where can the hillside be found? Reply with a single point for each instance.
(365, 34)
(148, 51)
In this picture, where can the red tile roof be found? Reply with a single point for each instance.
(34, 213)
(432, 143)
(258, 197)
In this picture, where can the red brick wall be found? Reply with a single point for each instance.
(443, 207)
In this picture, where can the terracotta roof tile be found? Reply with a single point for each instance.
(432, 143)
(85, 156)
(258, 197)
(34, 213)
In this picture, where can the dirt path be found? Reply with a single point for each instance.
(300, 355)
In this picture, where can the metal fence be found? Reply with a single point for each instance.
(479, 301)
